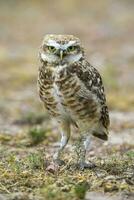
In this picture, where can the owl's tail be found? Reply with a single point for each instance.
(101, 134)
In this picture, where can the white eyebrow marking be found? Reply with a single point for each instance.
(71, 42)
(58, 46)
(53, 43)
(65, 46)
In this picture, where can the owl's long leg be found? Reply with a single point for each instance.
(65, 135)
(81, 152)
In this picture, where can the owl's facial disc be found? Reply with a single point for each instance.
(61, 53)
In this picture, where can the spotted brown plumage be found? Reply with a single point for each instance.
(72, 90)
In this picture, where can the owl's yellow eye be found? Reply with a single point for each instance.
(71, 49)
(52, 49)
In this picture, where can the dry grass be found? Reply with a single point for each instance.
(30, 170)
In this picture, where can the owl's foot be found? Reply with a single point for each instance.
(86, 165)
(59, 162)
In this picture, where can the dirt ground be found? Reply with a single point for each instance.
(28, 137)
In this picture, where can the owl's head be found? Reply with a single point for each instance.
(61, 49)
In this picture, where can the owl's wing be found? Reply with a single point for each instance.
(91, 78)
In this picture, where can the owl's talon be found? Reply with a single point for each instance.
(59, 162)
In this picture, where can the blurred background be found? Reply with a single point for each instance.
(28, 137)
(106, 30)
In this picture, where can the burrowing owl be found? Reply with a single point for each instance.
(72, 92)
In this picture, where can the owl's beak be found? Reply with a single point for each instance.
(61, 54)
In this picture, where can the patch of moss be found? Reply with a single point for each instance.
(80, 189)
(37, 135)
(36, 161)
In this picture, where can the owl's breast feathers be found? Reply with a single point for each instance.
(78, 89)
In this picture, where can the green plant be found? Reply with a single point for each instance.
(35, 161)
(80, 189)
(37, 135)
